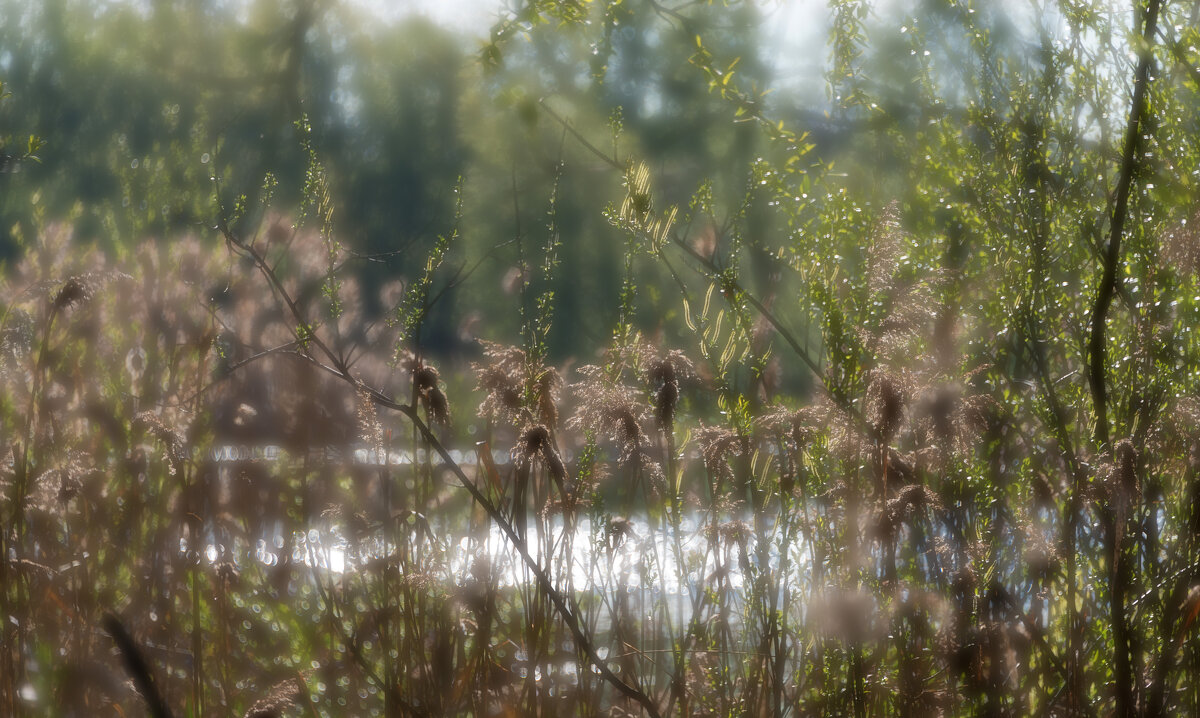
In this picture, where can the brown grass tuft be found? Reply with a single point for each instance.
(279, 699)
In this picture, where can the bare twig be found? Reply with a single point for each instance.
(334, 364)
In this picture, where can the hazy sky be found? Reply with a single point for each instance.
(473, 16)
(794, 30)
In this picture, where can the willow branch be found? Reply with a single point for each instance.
(1111, 279)
(136, 666)
(1098, 363)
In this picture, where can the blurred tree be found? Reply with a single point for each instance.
(152, 101)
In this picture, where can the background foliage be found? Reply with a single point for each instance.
(359, 367)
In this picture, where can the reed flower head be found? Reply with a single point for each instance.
(74, 291)
(612, 410)
(369, 428)
(427, 384)
(1181, 245)
(909, 504)
(663, 373)
(717, 444)
(536, 442)
(888, 395)
(508, 382)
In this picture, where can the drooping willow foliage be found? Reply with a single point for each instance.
(924, 440)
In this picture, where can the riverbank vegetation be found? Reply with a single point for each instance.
(356, 373)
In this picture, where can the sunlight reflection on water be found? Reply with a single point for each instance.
(640, 557)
